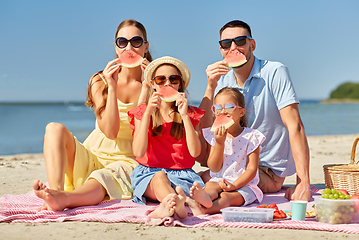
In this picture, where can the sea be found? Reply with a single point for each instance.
(22, 125)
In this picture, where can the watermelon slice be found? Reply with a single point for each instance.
(222, 120)
(169, 94)
(130, 59)
(235, 59)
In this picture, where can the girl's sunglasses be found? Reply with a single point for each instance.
(239, 41)
(161, 79)
(136, 42)
(228, 107)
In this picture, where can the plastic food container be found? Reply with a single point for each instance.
(243, 214)
(336, 211)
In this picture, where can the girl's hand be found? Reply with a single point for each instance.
(153, 103)
(182, 104)
(220, 134)
(110, 72)
(225, 185)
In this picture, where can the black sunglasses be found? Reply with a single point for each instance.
(161, 79)
(136, 42)
(239, 41)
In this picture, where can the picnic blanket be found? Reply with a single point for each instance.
(23, 208)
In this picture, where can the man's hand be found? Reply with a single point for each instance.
(300, 191)
(215, 71)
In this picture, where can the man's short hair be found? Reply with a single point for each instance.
(236, 23)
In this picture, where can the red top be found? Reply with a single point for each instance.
(164, 151)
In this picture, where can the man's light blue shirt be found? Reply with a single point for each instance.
(267, 90)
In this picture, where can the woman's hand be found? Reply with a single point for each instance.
(110, 72)
(145, 87)
(182, 104)
(144, 64)
(108, 120)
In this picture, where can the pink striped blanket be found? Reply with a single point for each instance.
(22, 208)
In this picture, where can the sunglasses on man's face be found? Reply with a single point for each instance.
(161, 79)
(228, 108)
(136, 42)
(239, 41)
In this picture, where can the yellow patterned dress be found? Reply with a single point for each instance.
(110, 162)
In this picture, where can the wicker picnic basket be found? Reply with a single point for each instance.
(343, 176)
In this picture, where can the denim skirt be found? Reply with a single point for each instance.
(142, 175)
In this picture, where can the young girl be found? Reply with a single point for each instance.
(166, 141)
(233, 160)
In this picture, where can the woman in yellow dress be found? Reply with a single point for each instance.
(84, 174)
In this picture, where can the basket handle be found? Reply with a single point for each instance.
(352, 158)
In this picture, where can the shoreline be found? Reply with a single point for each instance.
(17, 173)
(339, 101)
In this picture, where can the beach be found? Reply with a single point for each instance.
(18, 171)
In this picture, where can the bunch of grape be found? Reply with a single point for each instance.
(335, 213)
(332, 210)
(334, 194)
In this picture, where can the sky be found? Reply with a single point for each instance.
(50, 49)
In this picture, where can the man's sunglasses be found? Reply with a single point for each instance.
(239, 41)
(228, 107)
(136, 42)
(161, 79)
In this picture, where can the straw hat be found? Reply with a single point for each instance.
(151, 68)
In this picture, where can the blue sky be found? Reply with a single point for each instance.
(49, 49)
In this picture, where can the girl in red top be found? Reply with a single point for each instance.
(166, 141)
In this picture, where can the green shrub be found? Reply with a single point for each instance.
(349, 90)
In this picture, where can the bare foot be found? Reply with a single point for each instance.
(180, 208)
(55, 200)
(38, 186)
(166, 207)
(197, 209)
(200, 196)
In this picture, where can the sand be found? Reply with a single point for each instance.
(18, 171)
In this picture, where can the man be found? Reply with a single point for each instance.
(272, 108)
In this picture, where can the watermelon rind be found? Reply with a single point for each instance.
(220, 120)
(237, 64)
(235, 58)
(169, 94)
(168, 99)
(130, 59)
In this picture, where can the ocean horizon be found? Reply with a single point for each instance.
(22, 124)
